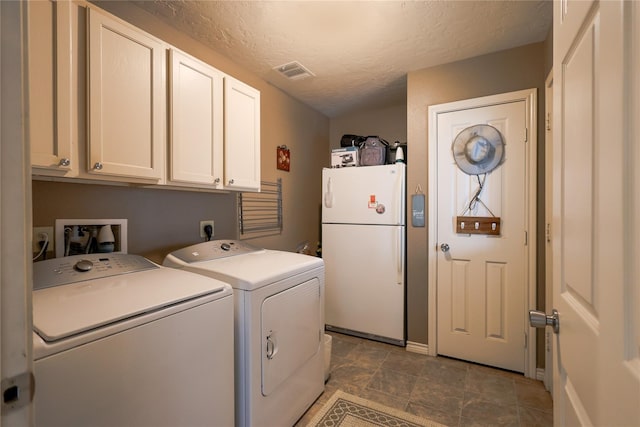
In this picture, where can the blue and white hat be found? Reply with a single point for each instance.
(478, 149)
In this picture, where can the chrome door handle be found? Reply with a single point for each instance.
(272, 347)
(64, 162)
(97, 166)
(444, 247)
(539, 319)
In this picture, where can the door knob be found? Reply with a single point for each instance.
(444, 247)
(539, 319)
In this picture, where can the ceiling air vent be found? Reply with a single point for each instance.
(294, 71)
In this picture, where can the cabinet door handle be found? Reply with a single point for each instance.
(97, 166)
(216, 181)
(64, 162)
(231, 181)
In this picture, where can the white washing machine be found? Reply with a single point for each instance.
(121, 341)
(279, 326)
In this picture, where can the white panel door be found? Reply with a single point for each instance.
(364, 278)
(196, 122)
(364, 195)
(241, 136)
(595, 229)
(482, 279)
(127, 100)
(16, 350)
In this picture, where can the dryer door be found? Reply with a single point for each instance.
(291, 331)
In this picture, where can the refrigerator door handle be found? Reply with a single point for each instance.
(400, 258)
(328, 196)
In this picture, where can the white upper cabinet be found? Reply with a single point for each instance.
(100, 107)
(196, 120)
(241, 136)
(53, 151)
(127, 101)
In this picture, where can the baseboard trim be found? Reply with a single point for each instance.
(416, 347)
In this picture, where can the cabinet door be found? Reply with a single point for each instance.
(241, 136)
(53, 151)
(196, 137)
(127, 101)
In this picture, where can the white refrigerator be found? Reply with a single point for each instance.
(363, 248)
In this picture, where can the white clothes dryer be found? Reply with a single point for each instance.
(121, 341)
(279, 326)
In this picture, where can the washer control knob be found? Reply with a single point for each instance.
(83, 265)
(225, 247)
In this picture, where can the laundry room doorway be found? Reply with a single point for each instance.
(482, 203)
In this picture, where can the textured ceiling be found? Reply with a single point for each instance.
(359, 51)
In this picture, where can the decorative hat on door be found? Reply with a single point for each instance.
(478, 149)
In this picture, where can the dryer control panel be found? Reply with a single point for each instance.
(214, 249)
(77, 268)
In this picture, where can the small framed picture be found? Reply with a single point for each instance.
(283, 160)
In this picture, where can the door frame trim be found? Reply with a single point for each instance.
(530, 98)
(548, 248)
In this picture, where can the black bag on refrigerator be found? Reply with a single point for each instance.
(373, 151)
(349, 140)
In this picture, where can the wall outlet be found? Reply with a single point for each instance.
(203, 224)
(38, 236)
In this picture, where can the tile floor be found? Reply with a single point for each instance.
(448, 391)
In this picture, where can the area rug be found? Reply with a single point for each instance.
(345, 410)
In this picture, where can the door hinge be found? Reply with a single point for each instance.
(526, 238)
(526, 134)
(548, 233)
(17, 392)
(526, 340)
(548, 121)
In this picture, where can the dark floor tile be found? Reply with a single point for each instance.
(494, 388)
(368, 356)
(410, 363)
(445, 373)
(385, 399)
(447, 418)
(478, 411)
(350, 377)
(394, 383)
(445, 390)
(530, 417)
(437, 396)
(533, 395)
(443, 360)
(341, 346)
